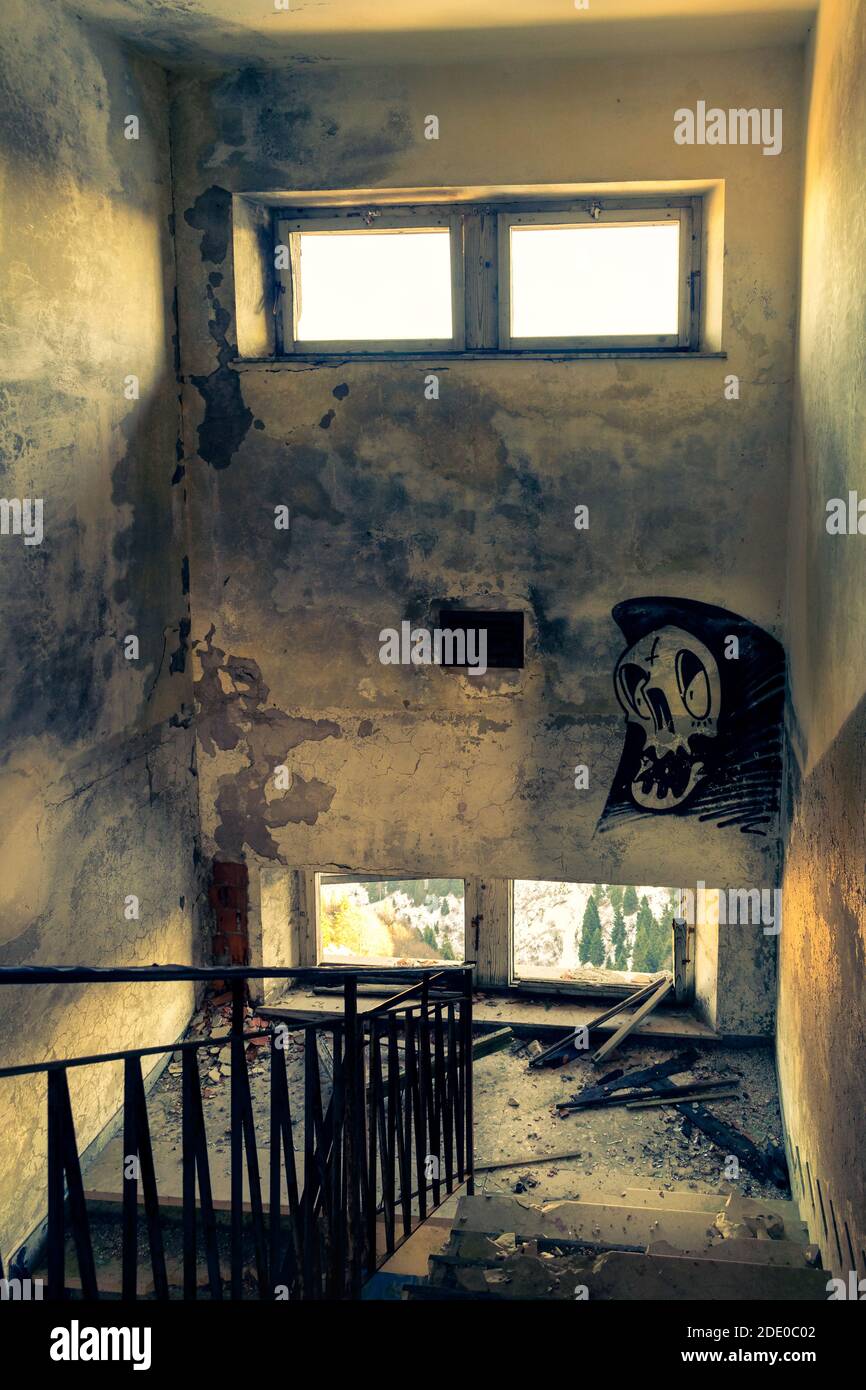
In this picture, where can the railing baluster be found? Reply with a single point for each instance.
(425, 1098)
(460, 1094)
(415, 1109)
(238, 1055)
(287, 1270)
(75, 1187)
(189, 1078)
(394, 1129)
(439, 1097)
(56, 1224)
(311, 1072)
(404, 1129)
(361, 1120)
(195, 1158)
(338, 1213)
(129, 1157)
(467, 1068)
(253, 1177)
(148, 1185)
(354, 1132)
(450, 1088)
(373, 1137)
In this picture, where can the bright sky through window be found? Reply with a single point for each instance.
(594, 280)
(374, 286)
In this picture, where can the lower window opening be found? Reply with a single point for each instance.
(591, 933)
(391, 921)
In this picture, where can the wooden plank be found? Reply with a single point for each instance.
(625, 1028)
(720, 1094)
(492, 1042)
(488, 930)
(482, 298)
(628, 1000)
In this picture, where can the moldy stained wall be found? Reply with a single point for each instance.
(397, 501)
(822, 970)
(97, 786)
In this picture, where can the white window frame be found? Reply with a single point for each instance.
(610, 212)
(312, 883)
(288, 230)
(481, 273)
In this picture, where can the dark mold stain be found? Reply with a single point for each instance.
(341, 391)
(177, 664)
(325, 422)
(234, 713)
(226, 419)
(211, 214)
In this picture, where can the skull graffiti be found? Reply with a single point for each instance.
(669, 685)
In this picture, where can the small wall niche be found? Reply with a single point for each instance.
(503, 629)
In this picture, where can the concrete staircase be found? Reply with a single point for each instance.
(632, 1244)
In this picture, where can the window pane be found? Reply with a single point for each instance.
(573, 931)
(594, 281)
(372, 286)
(391, 921)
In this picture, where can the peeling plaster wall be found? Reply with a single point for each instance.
(397, 501)
(822, 972)
(97, 786)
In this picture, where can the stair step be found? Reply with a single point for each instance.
(683, 1200)
(670, 1278)
(788, 1253)
(608, 1225)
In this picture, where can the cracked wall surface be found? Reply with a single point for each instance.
(398, 502)
(97, 775)
(822, 999)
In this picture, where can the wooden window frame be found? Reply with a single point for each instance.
(488, 941)
(480, 273)
(612, 212)
(682, 961)
(288, 230)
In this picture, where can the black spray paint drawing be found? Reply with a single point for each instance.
(703, 716)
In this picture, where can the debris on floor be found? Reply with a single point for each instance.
(664, 1143)
(503, 1248)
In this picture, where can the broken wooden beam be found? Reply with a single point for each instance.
(628, 999)
(492, 1042)
(647, 1102)
(640, 1013)
(769, 1166)
(683, 1091)
(622, 1081)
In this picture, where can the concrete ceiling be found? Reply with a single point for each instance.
(190, 32)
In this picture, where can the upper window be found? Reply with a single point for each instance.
(370, 282)
(595, 282)
(582, 275)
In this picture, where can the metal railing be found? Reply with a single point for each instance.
(387, 1136)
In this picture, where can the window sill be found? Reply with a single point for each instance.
(303, 361)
